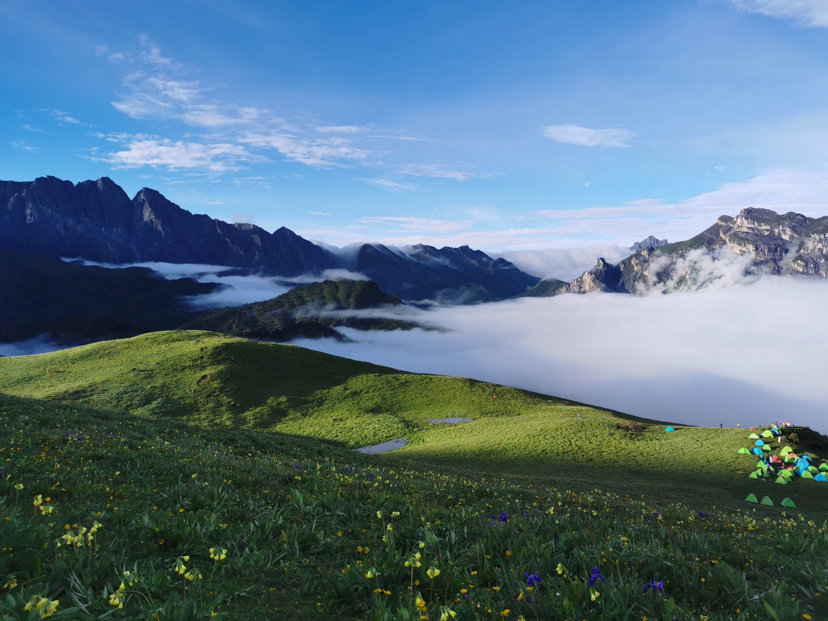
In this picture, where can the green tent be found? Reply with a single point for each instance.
(767, 433)
(744, 451)
(767, 501)
(754, 474)
(781, 480)
(786, 473)
(823, 467)
(813, 469)
(767, 448)
(785, 450)
(806, 475)
(789, 460)
(751, 498)
(753, 436)
(761, 464)
(787, 502)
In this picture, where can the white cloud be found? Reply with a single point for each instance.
(343, 129)
(804, 12)
(587, 137)
(563, 263)
(395, 186)
(423, 225)
(176, 155)
(436, 171)
(316, 152)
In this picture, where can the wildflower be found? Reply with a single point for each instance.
(18, 486)
(42, 605)
(218, 554)
(447, 614)
(11, 583)
(379, 515)
(193, 574)
(505, 613)
(595, 577)
(532, 579)
(395, 514)
(655, 586)
(180, 567)
(414, 561)
(593, 595)
(560, 569)
(38, 501)
(370, 574)
(433, 572)
(420, 602)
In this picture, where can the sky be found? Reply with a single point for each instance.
(511, 127)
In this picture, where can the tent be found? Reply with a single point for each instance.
(751, 498)
(823, 467)
(669, 429)
(754, 474)
(756, 450)
(753, 436)
(806, 475)
(821, 478)
(812, 469)
(744, 451)
(781, 480)
(775, 459)
(787, 502)
(767, 501)
(767, 433)
(759, 443)
(803, 463)
(786, 473)
(767, 448)
(785, 450)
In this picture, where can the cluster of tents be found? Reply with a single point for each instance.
(781, 467)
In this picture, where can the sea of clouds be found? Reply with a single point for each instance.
(729, 354)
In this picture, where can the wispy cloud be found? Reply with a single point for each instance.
(812, 13)
(22, 145)
(588, 137)
(394, 186)
(177, 155)
(320, 153)
(422, 225)
(435, 171)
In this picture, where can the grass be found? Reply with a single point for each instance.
(132, 436)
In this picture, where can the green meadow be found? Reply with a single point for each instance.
(189, 475)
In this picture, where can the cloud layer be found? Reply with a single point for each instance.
(748, 354)
(588, 137)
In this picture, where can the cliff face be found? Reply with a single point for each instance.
(97, 220)
(733, 250)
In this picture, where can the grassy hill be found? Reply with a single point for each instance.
(304, 311)
(178, 442)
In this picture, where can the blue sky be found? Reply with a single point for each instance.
(538, 125)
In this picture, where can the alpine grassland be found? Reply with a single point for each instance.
(189, 475)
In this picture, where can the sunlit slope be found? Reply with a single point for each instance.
(207, 379)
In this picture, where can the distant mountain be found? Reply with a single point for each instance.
(756, 242)
(76, 303)
(96, 220)
(648, 242)
(305, 311)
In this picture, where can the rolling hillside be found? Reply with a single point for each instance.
(187, 475)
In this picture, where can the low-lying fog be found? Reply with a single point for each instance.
(747, 354)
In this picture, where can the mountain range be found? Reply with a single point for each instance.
(754, 243)
(96, 220)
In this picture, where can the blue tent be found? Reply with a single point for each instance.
(759, 443)
(821, 477)
(669, 429)
(803, 462)
(756, 450)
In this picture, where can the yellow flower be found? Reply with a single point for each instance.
(180, 567)
(448, 613)
(370, 574)
(433, 572)
(115, 600)
(218, 554)
(38, 501)
(560, 569)
(11, 583)
(593, 595)
(395, 514)
(420, 602)
(193, 574)
(18, 486)
(379, 515)
(505, 613)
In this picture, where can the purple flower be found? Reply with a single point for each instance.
(655, 586)
(595, 577)
(532, 579)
